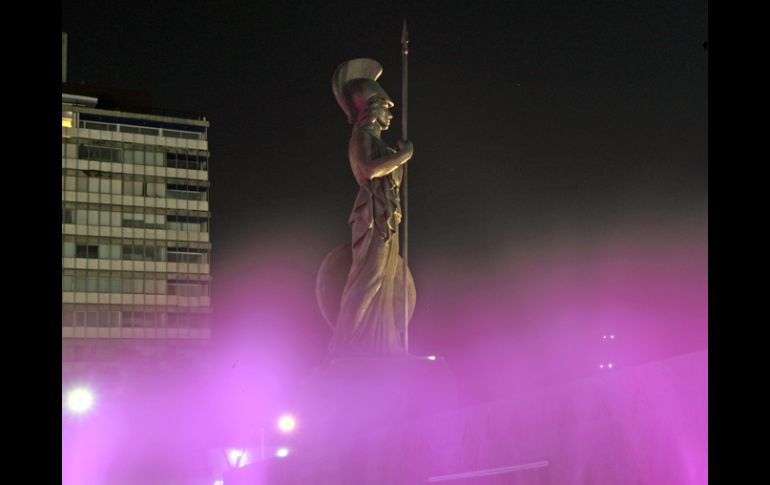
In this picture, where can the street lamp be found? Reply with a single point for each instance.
(287, 423)
(79, 400)
(282, 452)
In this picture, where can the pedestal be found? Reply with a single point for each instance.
(343, 404)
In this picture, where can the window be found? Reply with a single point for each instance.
(186, 192)
(155, 189)
(67, 318)
(68, 249)
(104, 319)
(149, 319)
(134, 188)
(80, 283)
(71, 150)
(86, 251)
(143, 253)
(133, 220)
(81, 216)
(92, 319)
(139, 319)
(181, 134)
(82, 183)
(187, 223)
(104, 251)
(186, 320)
(198, 320)
(70, 182)
(186, 255)
(177, 320)
(187, 288)
(103, 285)
(66, 119)
(151, 253)
(155, 158)
(92, 125)
(131, 319)
(186, 160)
(86, 318)
(133, 253)
(138, 286)
(99, 153)
(138, 130)
(127, 286)
(68, 216)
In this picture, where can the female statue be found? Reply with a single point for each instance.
(370, 318)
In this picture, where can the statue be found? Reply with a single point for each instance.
(360, 284)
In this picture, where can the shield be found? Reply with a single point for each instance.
(333, 275)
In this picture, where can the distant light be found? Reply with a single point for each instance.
(219, 482)
(609, 365)
(604, 337)
(237, 457)
(431, 357)
(287, 423)
(282, 452)
(80, 400)
(66, 122)
(601, 366)
(612, 336)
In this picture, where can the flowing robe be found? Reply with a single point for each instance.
(367, 323)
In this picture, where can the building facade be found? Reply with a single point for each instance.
(136, 278)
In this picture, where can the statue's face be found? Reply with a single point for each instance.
(382, 115)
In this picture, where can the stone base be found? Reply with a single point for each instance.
(342, 404)
(646, 424)
(356, 392)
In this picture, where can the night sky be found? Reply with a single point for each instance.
(544, 131)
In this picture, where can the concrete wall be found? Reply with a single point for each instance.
(641, 425)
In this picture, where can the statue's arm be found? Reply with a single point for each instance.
(366, 167)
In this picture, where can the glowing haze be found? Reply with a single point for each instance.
(531, 314)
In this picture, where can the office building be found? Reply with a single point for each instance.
(135, 232)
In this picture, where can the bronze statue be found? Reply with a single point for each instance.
(360, 284)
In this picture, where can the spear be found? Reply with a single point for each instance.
(404, 136)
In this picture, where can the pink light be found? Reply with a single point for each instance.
(79, 400)
(609, 365)
(237, 457)
(282, 452)
(431, 357)
(287, 423)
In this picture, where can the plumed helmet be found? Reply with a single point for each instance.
(355, 83)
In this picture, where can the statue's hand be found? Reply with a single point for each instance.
(405, 147)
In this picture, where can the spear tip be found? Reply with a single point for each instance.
(405, 34)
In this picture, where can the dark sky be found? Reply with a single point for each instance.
(530, 119)
(519, 110)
